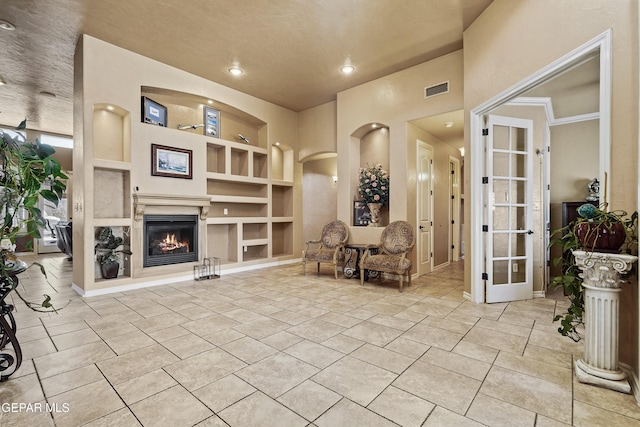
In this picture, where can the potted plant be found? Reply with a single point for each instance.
(107, 252)
(595, 230)
(373, 185)
(28, 171)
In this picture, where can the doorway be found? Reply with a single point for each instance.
(600, 48)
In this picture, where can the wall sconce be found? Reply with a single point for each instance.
(335, 180)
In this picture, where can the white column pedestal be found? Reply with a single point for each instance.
(601, 282)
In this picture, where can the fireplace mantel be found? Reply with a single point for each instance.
(141, 201)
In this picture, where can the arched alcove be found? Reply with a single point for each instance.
(372, 140)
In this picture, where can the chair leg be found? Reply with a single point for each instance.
(318, 268)
(304, 266)
(409, 279)
(361, 276)
(401, 277)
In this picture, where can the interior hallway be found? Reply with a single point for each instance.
(272, 347)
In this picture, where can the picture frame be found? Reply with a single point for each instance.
(153, 113)
(211, 122)
(171, 162)
(361, 214)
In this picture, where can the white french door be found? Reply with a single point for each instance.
(508, 196)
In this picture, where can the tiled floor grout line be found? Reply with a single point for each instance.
(309, 302)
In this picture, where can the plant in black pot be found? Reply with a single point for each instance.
(595, 230)
(107, 253)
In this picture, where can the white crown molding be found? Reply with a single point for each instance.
(545, 102)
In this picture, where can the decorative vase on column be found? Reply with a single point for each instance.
(374, 209)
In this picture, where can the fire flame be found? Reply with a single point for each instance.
(170, 243)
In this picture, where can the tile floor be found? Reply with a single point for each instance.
(275, 348)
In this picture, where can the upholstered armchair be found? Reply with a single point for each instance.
(394, 252)
(330, 247)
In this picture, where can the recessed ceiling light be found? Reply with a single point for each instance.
(374, 125)
(5, 25)
(235, 71)
(347, 69)
(277, 143)
(110, 107)
(448, 124)
(210, 101)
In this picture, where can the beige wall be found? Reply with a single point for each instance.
(393, 101)
(574, 162)
(317, 131)
(319, 196)
(513, 39)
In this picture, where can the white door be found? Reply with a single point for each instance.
(509, 209)
(425, 209)
(454, 208)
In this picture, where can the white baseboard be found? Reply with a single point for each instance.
(633, 381)
(466, 295)
(169, 280)
(539, 294)
(441, 266)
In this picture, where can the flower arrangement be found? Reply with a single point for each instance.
(373, 184)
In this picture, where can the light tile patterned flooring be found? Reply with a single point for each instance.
(275, 348)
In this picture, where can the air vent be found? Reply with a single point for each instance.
(436, 89)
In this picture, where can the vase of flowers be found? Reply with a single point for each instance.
(373, 185)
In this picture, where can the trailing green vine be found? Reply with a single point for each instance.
(570, 281)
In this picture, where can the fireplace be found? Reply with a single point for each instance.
(170, 239)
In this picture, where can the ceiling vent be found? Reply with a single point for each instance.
(436, 89)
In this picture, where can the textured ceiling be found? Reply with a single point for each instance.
(291, 51)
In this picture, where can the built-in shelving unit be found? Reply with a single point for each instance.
(250, 184)
(111, 176)
(240, 183)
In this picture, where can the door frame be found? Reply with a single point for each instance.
(601, 44)
(421, 144)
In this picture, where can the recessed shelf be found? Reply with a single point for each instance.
(216, 158)
(236, 189)
(255, 242)
(282, 200)
(239, 210)
(112, 222)
(254, 231)
(111, 133)
(252, 253)
(222, 242)
(112, 194)
(235, 178)
(123, 231)
(239, 199)
(111, 164)
(260, 165)
(282, 238)
(239, 162)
